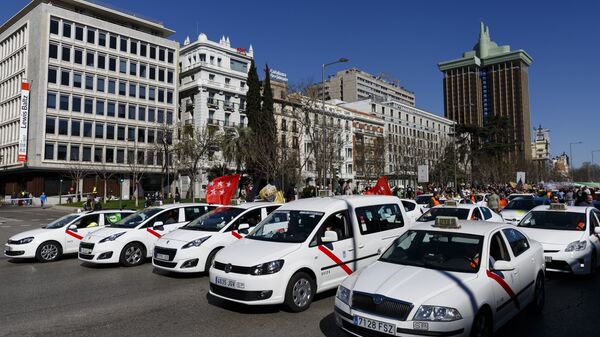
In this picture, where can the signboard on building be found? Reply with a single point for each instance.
(23, 122)
(277, 75)
(520, 177)
(423, 174)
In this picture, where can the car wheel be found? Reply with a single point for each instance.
(299, 292)
(210, 259)
(482, 324)
(48, 251)
(132, 255)
(539, 295)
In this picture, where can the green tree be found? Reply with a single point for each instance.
(253, 107)
(268, 132)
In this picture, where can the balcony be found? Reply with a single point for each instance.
(212, 121)
(228, 106)
(189, 106)
(212, 103)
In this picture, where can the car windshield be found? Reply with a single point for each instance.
(423, 199)
(60, 222)
(215, 220)
(523, 204)
(566, 221)
(432, 214)
(522, 196)
(286, 226)
(135, 219)
(436, 250)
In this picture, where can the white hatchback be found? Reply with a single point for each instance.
(131, 240)
(192, 248)
(61, 236)
(306, 247)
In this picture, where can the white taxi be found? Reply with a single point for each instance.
(306, 247)
(461, 211)
(131, 240)
(61, 236)
(570, 236)
(448, 278)
(192, 248)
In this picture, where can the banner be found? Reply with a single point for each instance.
(221, 189)
(23, 122)
(423, 174)
(381, 188)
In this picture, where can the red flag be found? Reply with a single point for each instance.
(381, 188)
(221, 189)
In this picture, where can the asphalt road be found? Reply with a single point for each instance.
(70, 298)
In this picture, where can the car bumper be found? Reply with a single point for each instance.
(191, 261)
(25, 251)
(568, 262)
(102, 253)
(249, 289)
(344, 319)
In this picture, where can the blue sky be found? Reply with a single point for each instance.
(406, 39)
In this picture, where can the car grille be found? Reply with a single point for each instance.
(86, 256)
(241, 295)
(559, 265)
(14, 252)
(86, 245)
(170, 252)
(234, 269)
(551, 251)
(164, 263)
(385, 306)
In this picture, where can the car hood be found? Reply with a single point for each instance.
(184, 236)
(408, 283)
(549, 237)
(511, 214)
(248, 252)
(101, 233)
(34, 232)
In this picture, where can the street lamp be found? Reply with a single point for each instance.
(340, 60)
(571, 156)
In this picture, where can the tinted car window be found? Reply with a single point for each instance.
(378, 218)
(487, 214)
(408, 206)
(192, 213)
(517, 241)
(88, 221)
(432, 214)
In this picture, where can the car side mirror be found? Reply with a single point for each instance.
(329, 236)
(596, 230)
(503, 266)
(243, 227)
(159, 226)
(72, 227)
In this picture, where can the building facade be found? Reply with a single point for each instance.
(412, 137)
(353, 85)
(491, 80)
(212, 90)
(102, 85)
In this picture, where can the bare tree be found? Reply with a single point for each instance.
(105, 173)
(164, 149)
(77, 171)
(137, 168)
(196, 144)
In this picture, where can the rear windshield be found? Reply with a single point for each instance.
(523, 204)
(567, 221)
(432, 214)
(423, 199)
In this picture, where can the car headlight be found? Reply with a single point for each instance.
(344, 294)
(112, 237)
(267, 268)
(195, 243)
(23, 241)
(435, 313)
(576, 246)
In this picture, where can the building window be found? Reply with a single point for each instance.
(65, 77)
(99, 107)
(99, 134)
(133, 68)
(110, 109)
(88, 106)
(142, 93)
(151, 117)
(169, 117)
(78, 56)
(110, 155)
(151, 93)
(87, 129)
(141, 114)
(122, 110)
(76, 128)
(169, 97)
(91, 36)
(142, 70)
(152, 74)
(89, 59)
(102, 39)
(51, 75)
(153, 52)
(151, 136)
(110, 131)
(169, 77)
(74, 152)
(122, 88)
(101, 61)
(63, 127)
(170, 56)
(79, 33)
(141, 135)
(50, 125)
(100, 84)
(123, 44)
(121, 133)
(66, 53)
(133, 47)
(131, 112)
(161, 75)
(76, 104)
(49, 151)
(161, 95)
(113, 42)
(131, 133)
(53, 26)
(87, 153)
(89, 82)
(66, 29)
(98, 154)
(112, 64)
(161, 54)
(53, 51)
(120, 156)
(111, 86)
(132, 90)
(123, 66)
(142, 49)
(161, 116)
(61, 153)
(51, 101)
(64, 102)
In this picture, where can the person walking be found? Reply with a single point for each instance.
(43, 199)
(434, 200)
(588, 201)
(494, 201)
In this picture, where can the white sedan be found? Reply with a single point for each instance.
(462, 212)
(454, 278)
(192, 248)
(131, 240)
(61, 236)
(570, 236)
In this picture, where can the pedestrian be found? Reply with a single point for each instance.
(30, 199)
(177, 195)
(588, 201)
(494, 201)
(43, 200)
(434, 200)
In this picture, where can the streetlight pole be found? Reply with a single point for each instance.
(571, 156)
(341, 60)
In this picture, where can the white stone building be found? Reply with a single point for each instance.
(102, 82)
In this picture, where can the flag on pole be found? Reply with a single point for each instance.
(381, 188)
(222, 189)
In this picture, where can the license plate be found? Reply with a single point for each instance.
(225, 282)
(548, 259)
(162, 256)
(85, 250)
(374, 325)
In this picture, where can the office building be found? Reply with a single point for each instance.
(102, 85)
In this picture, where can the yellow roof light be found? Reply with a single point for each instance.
(558, 207)
(447, 222)
(451, 203)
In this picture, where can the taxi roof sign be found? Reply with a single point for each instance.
(451, 203)
(446, 222)
(558, 207)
